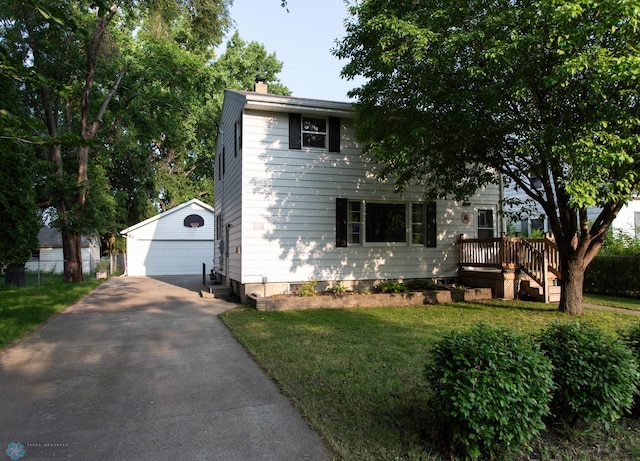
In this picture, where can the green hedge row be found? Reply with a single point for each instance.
(496, 390)
(613, 275)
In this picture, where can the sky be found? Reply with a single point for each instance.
(302, 40)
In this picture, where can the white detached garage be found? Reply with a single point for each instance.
(176, 242)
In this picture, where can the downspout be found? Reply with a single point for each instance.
(501, 223)
(219, 263)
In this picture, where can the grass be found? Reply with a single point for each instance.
(357, 374)
(613, 301)
(23, 309)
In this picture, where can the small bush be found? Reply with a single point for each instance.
(103, 265)
(338, 288)
(492, 389)
(420, 285)
(389, 286)
(618, 242)
(595, 375)
(307, 289)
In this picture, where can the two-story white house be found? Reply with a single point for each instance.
(296, 201)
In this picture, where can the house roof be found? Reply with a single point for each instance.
(166, 213)
(278, 103)
(49, 237)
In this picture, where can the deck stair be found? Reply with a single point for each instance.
(533, 289)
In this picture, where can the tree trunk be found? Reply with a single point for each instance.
(572, 285)
(72, 253)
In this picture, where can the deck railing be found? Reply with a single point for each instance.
(536, 257)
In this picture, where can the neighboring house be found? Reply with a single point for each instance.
(627, 221)
(295, 201)
(49, 258)
(176, 242)
(534, 221)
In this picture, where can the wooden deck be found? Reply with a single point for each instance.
(538, 259)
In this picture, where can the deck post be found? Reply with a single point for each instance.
(545, 275)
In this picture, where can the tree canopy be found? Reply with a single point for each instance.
(458, 95)
(120, 102)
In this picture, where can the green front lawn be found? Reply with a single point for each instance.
(357, 374)
(613, 301)
(23, 309)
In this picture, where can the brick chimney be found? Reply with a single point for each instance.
(261, 86)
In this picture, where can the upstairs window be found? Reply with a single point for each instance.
(314, 132)
(237, 132)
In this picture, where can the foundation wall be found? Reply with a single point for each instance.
(503, 285)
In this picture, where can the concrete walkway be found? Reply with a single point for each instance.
(143, 369)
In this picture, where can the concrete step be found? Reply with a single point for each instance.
(218, 291)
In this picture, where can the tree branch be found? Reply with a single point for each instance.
(105, 103)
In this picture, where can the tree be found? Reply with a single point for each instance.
(18, 172)
(18, 212)
(72, 55)
(459, 94)
(243, 62)
(162, 148)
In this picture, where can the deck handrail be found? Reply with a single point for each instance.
(534, 256)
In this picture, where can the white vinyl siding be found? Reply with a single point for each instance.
(228, 188)
(162, 245)
(289, 212)
(168, 257)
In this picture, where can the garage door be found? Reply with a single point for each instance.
(168, 257)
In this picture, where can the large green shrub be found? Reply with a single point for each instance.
(613, 275)
(595, 375)
(492, 388)
(620, 243)
(631, 338)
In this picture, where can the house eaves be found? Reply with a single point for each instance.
(166, 213)
(278, 103)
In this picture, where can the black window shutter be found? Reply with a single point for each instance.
(342, 205)
(334, 134)
(431, 225)
(295, 131)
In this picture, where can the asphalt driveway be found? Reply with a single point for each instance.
(143, 369)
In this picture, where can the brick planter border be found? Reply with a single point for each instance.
(338, 301)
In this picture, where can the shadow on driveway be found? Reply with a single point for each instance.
(143, 369)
